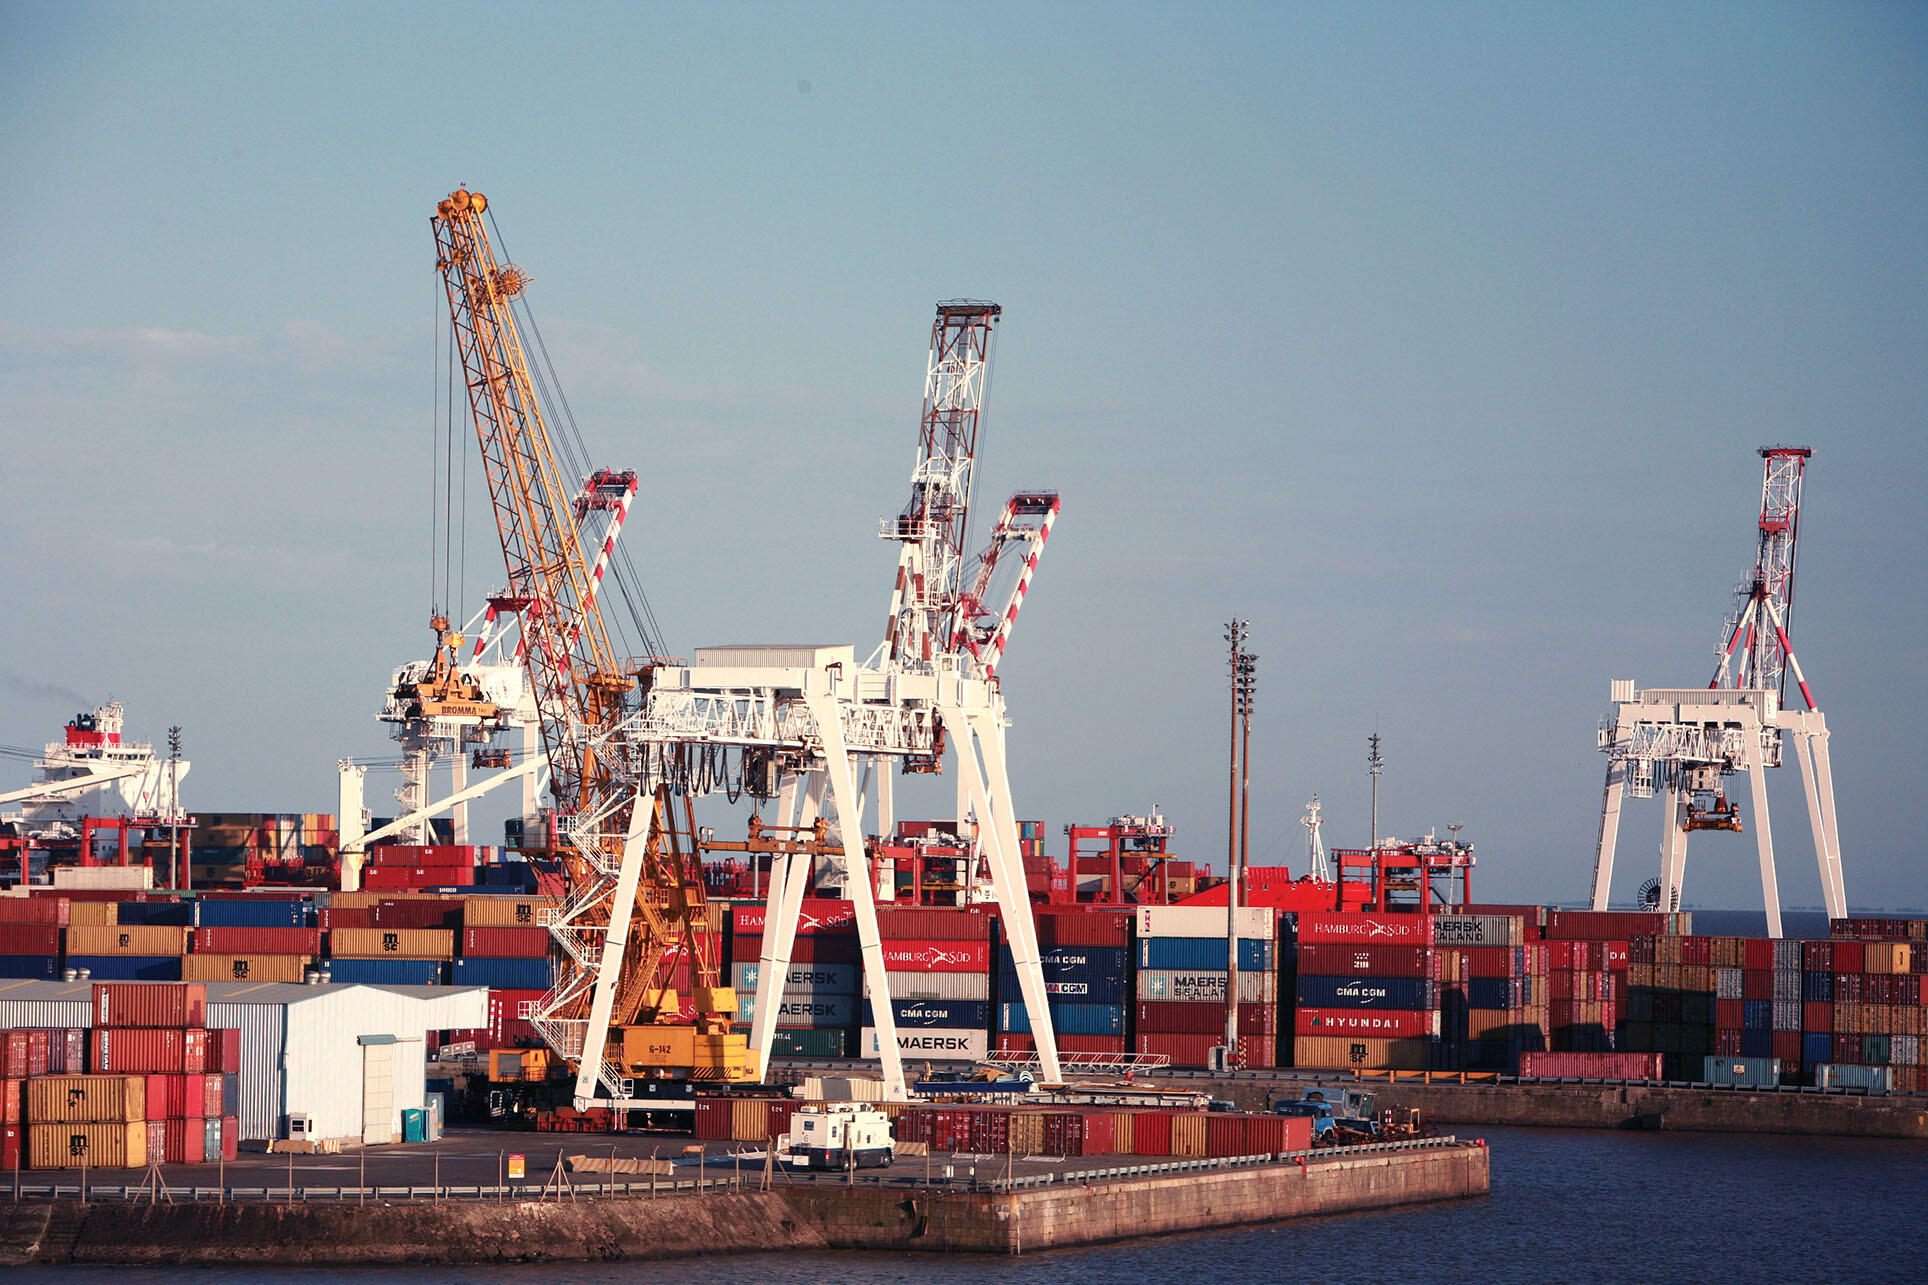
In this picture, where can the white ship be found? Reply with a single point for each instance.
(93, 772)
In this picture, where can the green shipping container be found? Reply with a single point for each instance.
(793, 1041)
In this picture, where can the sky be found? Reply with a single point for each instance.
(1436, 341)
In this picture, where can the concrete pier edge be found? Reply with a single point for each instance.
(803, 1217)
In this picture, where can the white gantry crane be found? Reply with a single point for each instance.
(446, 708)
(1685, 742)
(802, 723)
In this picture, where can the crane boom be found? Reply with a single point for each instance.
(636, 908)
(573, 671)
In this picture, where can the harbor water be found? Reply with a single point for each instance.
(1566, 1205)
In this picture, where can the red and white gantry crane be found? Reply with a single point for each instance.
(1686, 741)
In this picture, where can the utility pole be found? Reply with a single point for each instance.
(1244, 669)
(176, 866)
(1373, 764)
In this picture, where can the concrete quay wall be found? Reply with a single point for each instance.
(801, 1217)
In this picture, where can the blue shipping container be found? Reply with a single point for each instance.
(1757, 1043)
(1402, 993)
(955, 1014)
(1495, 993)
(503, 974)
(813, 1010)
(1254, 955)
(1817, 988)
(1074, 963)
(1093, 988)
(261, 912)
(40, 967)
(166, 913)
(1755, 1071)
(1757, 1014)
(1066, 1019)
(129, 968)
(387, 972)
(1847, 1075)
(1817, 1047)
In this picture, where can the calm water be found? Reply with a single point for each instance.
(1566, 1206)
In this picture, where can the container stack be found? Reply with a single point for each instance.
(1086, 961)
(937, 964)
(412, 867)
(826, 935)
(1586, 988)
(1182, 976)
(30, 936)
(1365, 996)
(252, 939)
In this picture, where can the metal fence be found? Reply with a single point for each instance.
(560, 1185)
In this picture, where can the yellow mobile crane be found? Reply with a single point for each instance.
(636, 905)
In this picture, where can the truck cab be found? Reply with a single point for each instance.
(838, 1135)
(1343, 1117)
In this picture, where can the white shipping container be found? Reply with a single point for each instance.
(1203, 921)
(138, 878)
(937, 986)
(932, 1043)
(802, 979)
(1479, 930)
(1197, 985)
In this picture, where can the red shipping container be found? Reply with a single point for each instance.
(1183, 1050)
(1082, 927)
(26, 1053)
(713, 1119)
(223, 1052)
(1009, 1043)
(1225, 1135)
(1364, 930)
(823, 949)
(1151, 1133)
(419, 913)
(155, 1005)
(347, 917)
(186, 1142)
(34, 910)
(1481, 961)
(230, 1137)
(1604, 925)
(210, 1097)
(507, 943)
(1727, 1043)
(967, 923)
(1083, 1043)
(226, 940)
(819, 916)
(1849, 956)
(1328, 959)
(1817, 956)
(28, 939)
(507, 1025)
(1375, 1023)
(1817, 1016)
(10, 1092)
(133, 1050)
(10, 1139)
(1099, 1134)
(1728, 1014)
(67, 1052)
(1787, 1047)
(937, 956)
(1183, 1017)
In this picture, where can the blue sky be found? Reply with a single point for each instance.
(1435, 340)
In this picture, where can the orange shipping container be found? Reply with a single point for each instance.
(1344, 1052)
(127, 939)
(81, 913)
(86, 1099)
(392, 943)
(244, 968)
(505, 912)
(1188, 1133)
(92, 1146)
